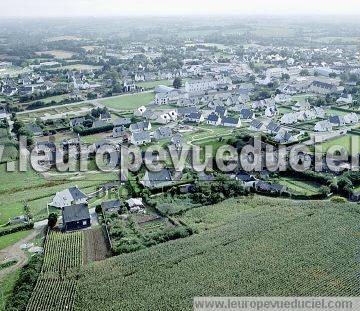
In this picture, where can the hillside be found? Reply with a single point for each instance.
(250, 246)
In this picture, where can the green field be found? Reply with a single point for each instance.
(12, 238)
(299, 187)
(6, 287)
(128, 102)
(152, 84)
(78, 67)
(10, 152)
(343, 142)
(256, 246)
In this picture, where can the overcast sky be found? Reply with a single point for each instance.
(13, 8)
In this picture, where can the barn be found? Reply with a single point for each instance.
(76, 217)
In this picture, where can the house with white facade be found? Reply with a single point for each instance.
(323, 126)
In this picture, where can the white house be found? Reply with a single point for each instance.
(270, 111)
(301, 106)
(257, 126)
(163, 118)
(200, 86)
(68, 197)
(345, 99)
(140, 138)
(351, 118)
(323, 126)
(213, 119)
(140, 111)
(289, 118)
(161, 99)
(282, 98)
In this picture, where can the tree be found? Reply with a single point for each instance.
(177, 83)
(98, 209)
(52, 220)
(324, 190)
(304, 72)
(285, 76)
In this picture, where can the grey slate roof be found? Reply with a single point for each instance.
(246, 114)
(114, 204)
(163, 132)
(139, 126)
(141, 136)
(229, 120)
(213, 117)
(122, 122)
(75, 213)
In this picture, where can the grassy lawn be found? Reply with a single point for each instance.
(342, 142)
(302, 98)
(12, 238)
(17, 180)
(335, 112)
(128, 102)
(6, 287)
(299, 187)
(152, 84)
(47, 100)
(59, 54)
(91, 139)
(10, 152)
(79, 67)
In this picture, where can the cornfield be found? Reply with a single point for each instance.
(55, 288)
(245, 247)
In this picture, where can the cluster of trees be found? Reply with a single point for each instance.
(342, 185)
(127, 238)
(19, 129)
(208, 193)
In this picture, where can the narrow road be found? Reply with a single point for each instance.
(14, 252)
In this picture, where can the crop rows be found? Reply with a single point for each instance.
(63, 252)
(245, 247)
(55, 288)
(52, 295)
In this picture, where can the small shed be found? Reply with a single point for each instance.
(76, 217)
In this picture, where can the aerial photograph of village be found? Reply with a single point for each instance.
(200, 155)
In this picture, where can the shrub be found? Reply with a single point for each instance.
(337, 199)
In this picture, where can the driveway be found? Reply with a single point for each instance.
(14, 252)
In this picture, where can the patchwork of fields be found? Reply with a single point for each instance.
(256, 239)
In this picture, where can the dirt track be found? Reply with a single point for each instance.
(14, 252)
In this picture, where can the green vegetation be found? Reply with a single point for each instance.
(12, 238)
(20, 295)
(343, 141)
(54, 290)
(7, 264)
(300, 187)
(128, 102)
(7, 287)
(60, 252)
(261, 241)
(10, 152)
(18, 188)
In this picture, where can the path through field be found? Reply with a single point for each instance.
(14, 252)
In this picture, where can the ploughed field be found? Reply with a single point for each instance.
(249, 246)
